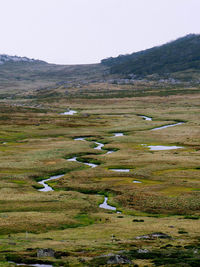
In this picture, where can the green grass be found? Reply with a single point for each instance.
(39, 142)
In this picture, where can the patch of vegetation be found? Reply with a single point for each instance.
(163, 59)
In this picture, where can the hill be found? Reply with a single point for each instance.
(23, 74)
(170, 68)
(179, 55)
(6, 58)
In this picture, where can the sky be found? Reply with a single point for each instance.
(86, 31)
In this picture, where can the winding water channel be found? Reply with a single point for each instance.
(99, 145)
(92, 165)
(104, 205)
(48, 188)
(166, 126)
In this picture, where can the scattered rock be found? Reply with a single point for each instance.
(143, 251)
(154, 236)
(45, 252)
(118, 259)
(111, 259)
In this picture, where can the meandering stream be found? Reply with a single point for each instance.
(166, 126)
(105, 205)
(92, 165)
(99, 146)
(48, 188)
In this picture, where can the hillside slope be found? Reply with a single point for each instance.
(22, 75)
(179, 55)
(6, 58)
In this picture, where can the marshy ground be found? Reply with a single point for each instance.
(36, 144)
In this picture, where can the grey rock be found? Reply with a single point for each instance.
(143, 251)
(45, 252)
(154, 236)
(118, 259)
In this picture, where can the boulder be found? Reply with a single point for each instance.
(154, 236)
(118, 259)
(111, 259)
(143, 251)
(45, 252)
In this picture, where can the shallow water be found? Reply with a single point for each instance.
(120, 170)
(92, 165)
(36, 265)
(48, 188)
(167, 126)
(137, 182)
(105, 205)
(118, 134)
(73, 159)
(146, 118)
(80, 139)
(110, 151)
(70, 112)
(99, 145)
(159, 148)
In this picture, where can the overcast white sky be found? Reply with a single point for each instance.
(85, 31)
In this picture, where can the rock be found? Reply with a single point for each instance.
(6, 58)
(143, 251)
(118, 259)
(45, 252)
(110, 259)
(154, 236)
(160, 235)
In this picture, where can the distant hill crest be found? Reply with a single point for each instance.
(7, 58)
(179, 55)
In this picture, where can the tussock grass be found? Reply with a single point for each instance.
(36, 144)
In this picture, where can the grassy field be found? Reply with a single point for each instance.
(35, 143)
